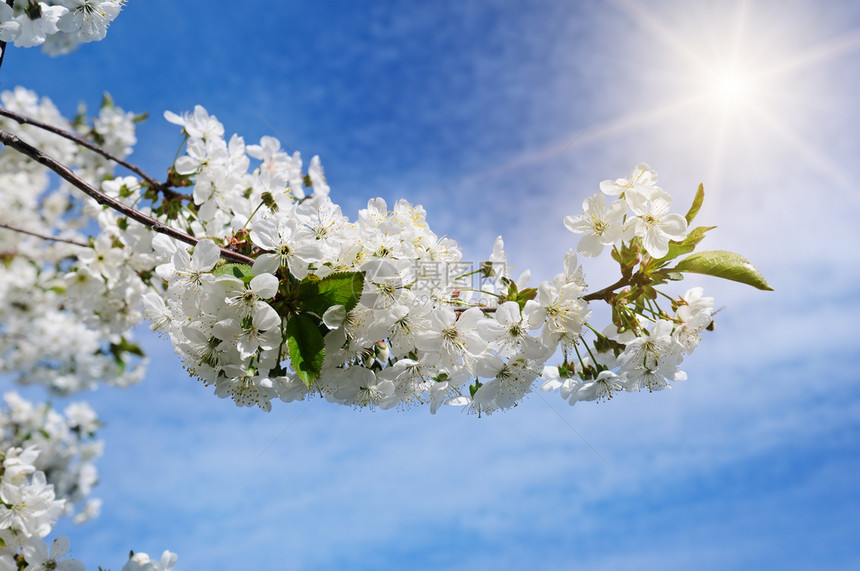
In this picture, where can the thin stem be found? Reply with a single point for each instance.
(498, 295)
(105, 200)
(654, 315)
(467, 274)
(657, 310)
(252, 214)
(579, 357)
(179, 150)
(596, 332)
(590, 354)
(44, 236)
(159, 186)
(666, 295)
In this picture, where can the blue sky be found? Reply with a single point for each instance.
(500, 117)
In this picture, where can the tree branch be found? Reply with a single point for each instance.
(159, 186)
(44, 236)
(105, 200)
(603, 293)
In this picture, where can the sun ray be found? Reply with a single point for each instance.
(732, 89)
(740, 25)
(715, 176)
(584, 137)
(837, 47)
(729, 89)
(812, 155)
(661, 32)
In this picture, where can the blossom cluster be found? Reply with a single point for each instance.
(67, 305)
(641, 210)
(341, 308)
(57, 25)
(29, 509)
(352, 310)
(48, 472)
(649, 359)
(268, 291)
(67, 444)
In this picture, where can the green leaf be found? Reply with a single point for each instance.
(686, 245)
(125, 347)
(306, 347)
(341, 288)
(119, 350)
(565, 370)
(723, 264)
(697, 204)
(525, 295)
(474, 388)
(604, 344)
(241, 271)
(627, 257)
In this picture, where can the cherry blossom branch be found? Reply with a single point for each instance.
(159, 186)
(604, 293)
(44, 236)
(105, 200)
(637, 279)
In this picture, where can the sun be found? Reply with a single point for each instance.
(726, 75)
(731, 88)
(730, 84)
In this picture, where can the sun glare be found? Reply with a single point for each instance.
(724, 70)
(731, 88)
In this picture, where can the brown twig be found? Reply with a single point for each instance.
(44, 236)
(604, 293)
(153, 183)
(105, 200)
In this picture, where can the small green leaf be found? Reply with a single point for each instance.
(474, 388)
(241, 271)
(441, 377)
(341, 288)
(119, 350)
(604, 344)
(306, 347)
(697, 204)
(686, 245)
(723, 264)
(125, 347)
(525, 295)
(565, 370)
(627, 257)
